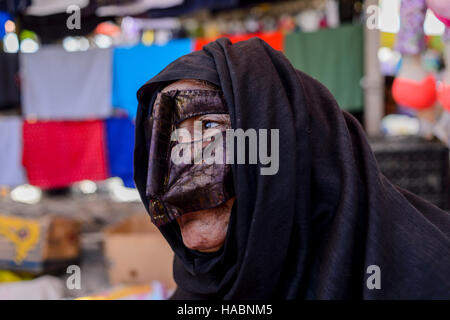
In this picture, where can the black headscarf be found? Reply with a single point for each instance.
(312, 230)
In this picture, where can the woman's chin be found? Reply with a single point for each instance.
(205, 249)
(202, 247)
(195, 237)
(206, 230)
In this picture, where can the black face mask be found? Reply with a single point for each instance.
(174, 189)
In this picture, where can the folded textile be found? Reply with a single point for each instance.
(57, 154)
(43, 288)
(275, 39)
(120, 146)
(133, 66)
(11, 170)
(9, 86)
(61, 85)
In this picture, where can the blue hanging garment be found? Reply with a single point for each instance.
(120, 145)
(133, 66)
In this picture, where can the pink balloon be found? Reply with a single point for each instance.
(441, 9)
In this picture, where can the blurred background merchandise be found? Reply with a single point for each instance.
(68, 103)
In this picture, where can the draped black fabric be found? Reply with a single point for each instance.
(313, 229)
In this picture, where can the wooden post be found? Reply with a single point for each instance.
(373, 79)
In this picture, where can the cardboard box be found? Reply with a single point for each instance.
(38, 245)
(136, 252)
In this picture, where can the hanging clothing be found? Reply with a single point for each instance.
(14, 6)
(274, 39)
(133, 65)
(49, 7)
(189, 6)
(57, 154)
(335, 57)
(411, 36)
(136, 7)
(51, 28)
(62, 85)
(4, 16)
(9, 80)
(312, 230)
(100, 3)
(410, 39)
(11, 170)
(120, 145)
(441, 10)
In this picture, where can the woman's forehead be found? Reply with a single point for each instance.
(189, 84)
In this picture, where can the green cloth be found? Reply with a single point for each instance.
(335, 58)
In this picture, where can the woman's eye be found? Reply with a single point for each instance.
(210, 124)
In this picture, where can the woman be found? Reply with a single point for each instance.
(314, 230)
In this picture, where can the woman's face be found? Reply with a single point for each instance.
(205, 230)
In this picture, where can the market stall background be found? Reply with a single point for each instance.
(67, 109)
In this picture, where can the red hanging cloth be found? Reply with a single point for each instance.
(275, 39)
(59, 153)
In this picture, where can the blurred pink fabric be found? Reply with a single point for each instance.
(441, 9)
